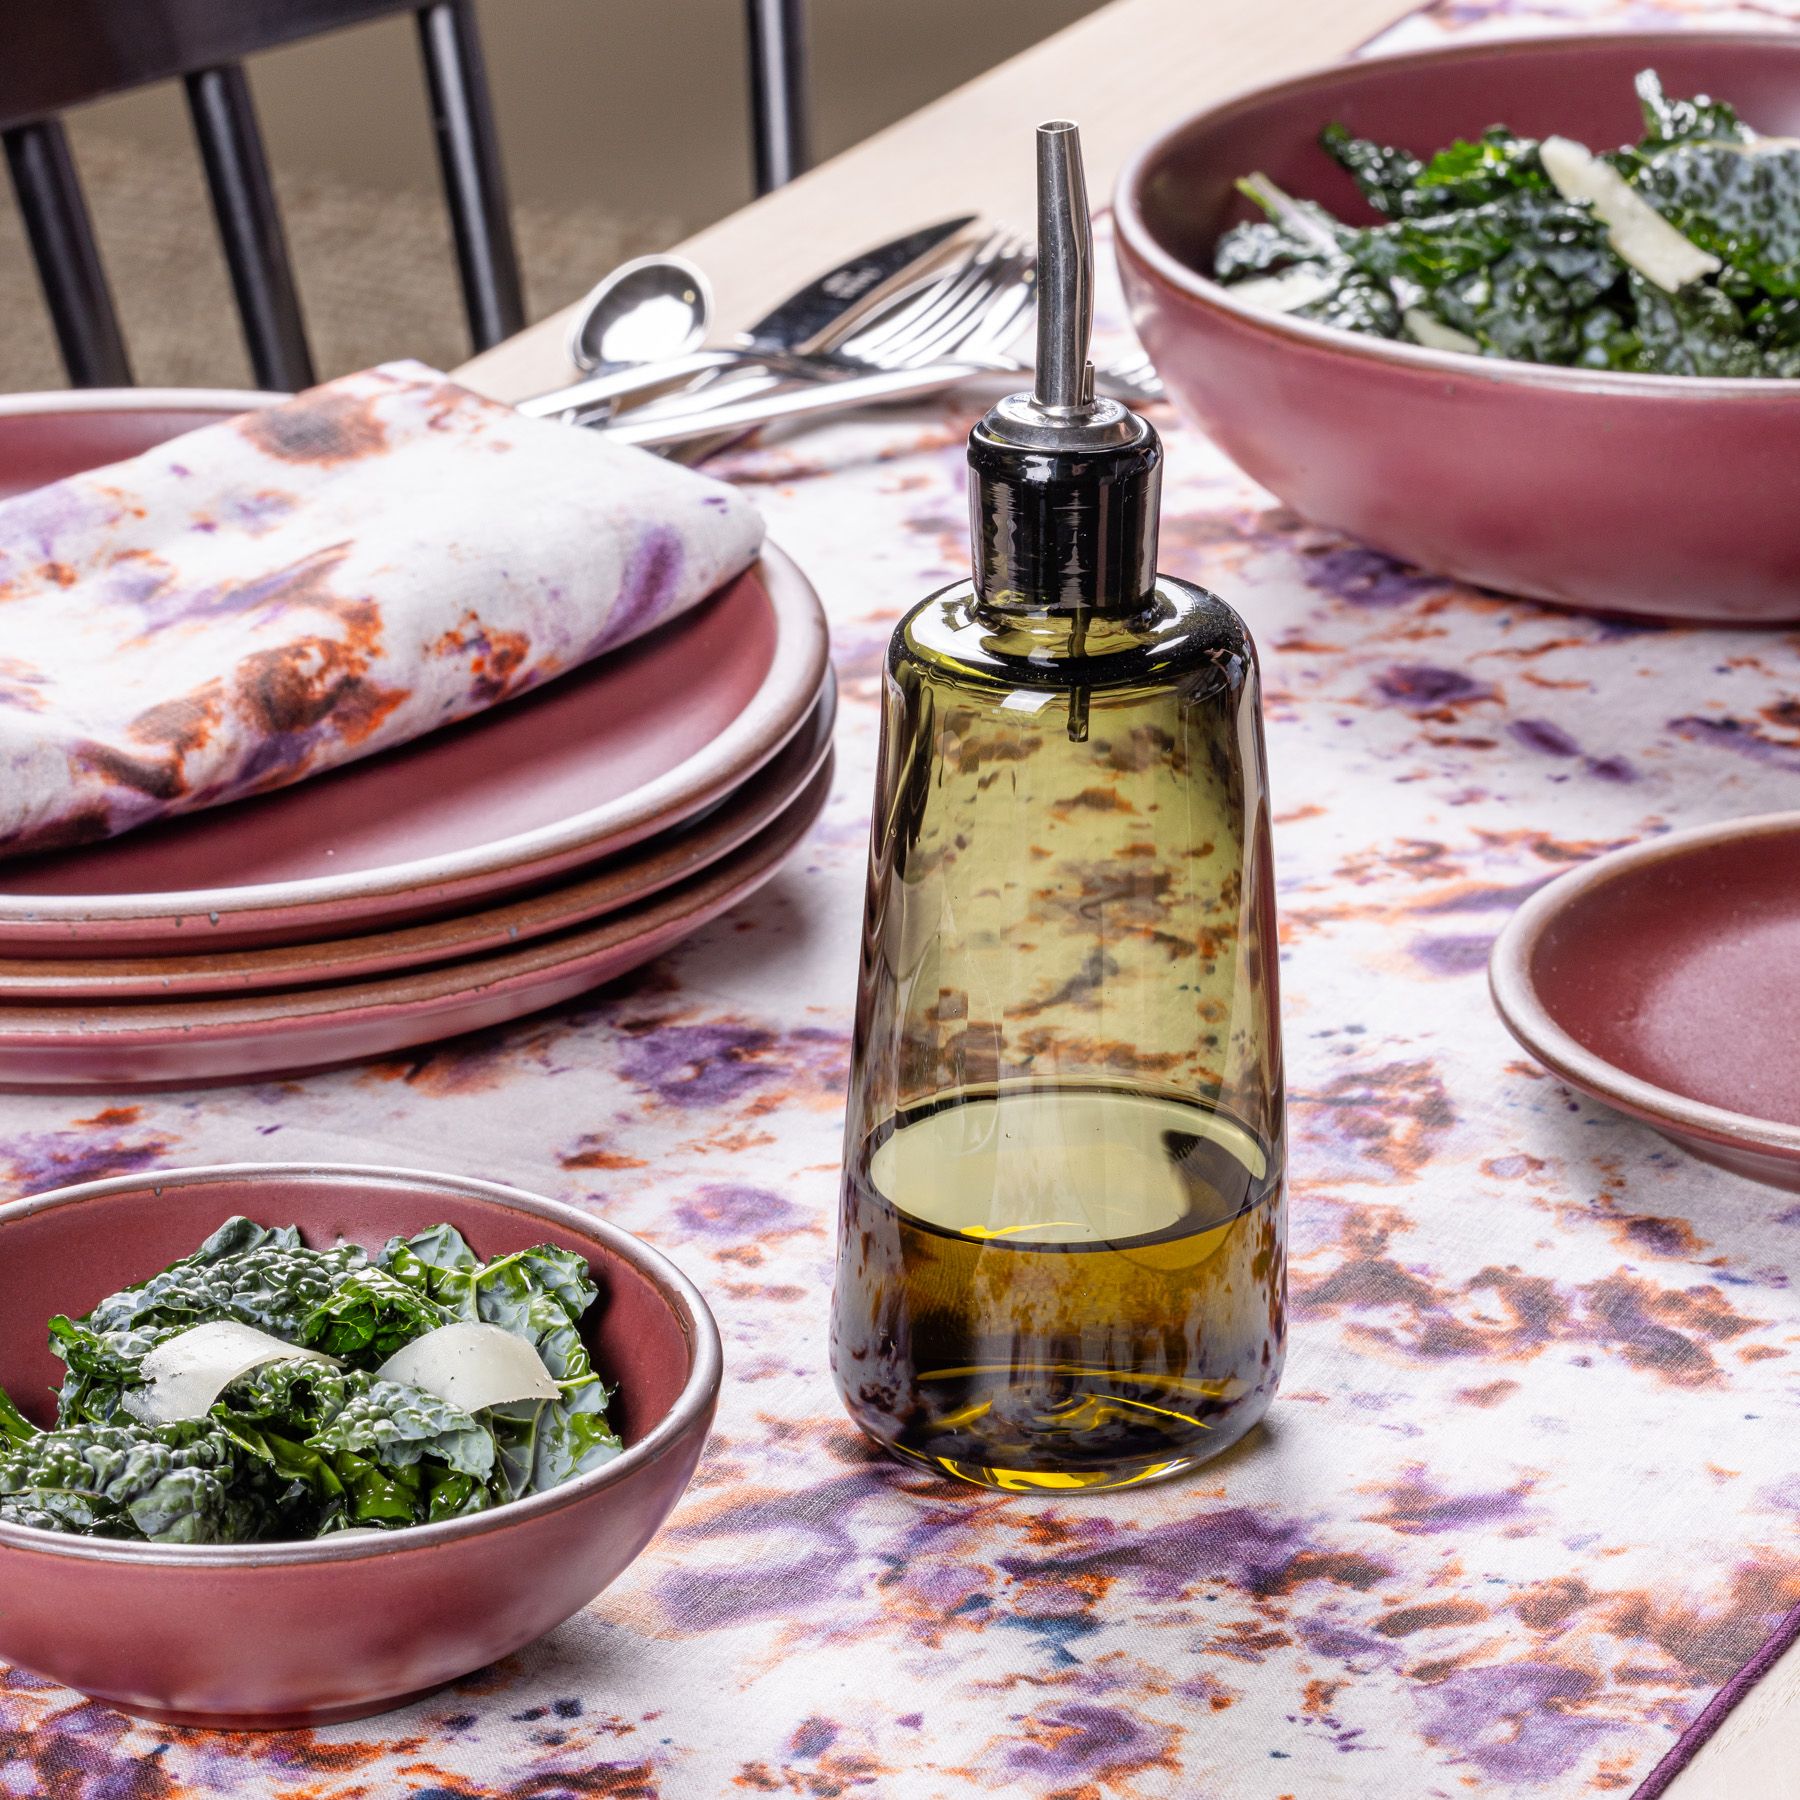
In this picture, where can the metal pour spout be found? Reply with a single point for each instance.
(1065, 274)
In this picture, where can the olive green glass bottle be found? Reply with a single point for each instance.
(1061, 1241)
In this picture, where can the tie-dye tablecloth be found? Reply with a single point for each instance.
(1530, 1491)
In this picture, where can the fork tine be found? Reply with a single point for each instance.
(920, 321)
(957, 322)
(1010, 312)
(896, 322)
(984, 317)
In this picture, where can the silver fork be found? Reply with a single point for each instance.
(968, 313)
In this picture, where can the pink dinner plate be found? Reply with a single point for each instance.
(618, 882)
(612, 753)
(1662, 979)
(138, 1043)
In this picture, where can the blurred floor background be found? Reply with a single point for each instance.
(624, 126)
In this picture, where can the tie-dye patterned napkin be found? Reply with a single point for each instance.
(274, 595)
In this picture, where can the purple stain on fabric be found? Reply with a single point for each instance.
(1515, 1722)
(1324, 1637)
(1489, 899)
(32, 524)
(1739, 738)
(1364, 577)
(1611, 768)
(1542, 736)
(651, 574)
(1421, 685)
(299, 584)
(38, 1160)
(699, 1065)
(1081, 1740)
(721, 1210)
(812, 1737)
(1451, 955)
(1240, 1546)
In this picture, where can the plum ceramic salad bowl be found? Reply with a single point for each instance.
(1662, 496)
(276, 1634)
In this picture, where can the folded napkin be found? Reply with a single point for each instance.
(279, 593)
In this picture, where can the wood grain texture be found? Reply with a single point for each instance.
(1122, 73)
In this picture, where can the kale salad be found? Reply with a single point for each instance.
(261, 1390)
(1677, 255)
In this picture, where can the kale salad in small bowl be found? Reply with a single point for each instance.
(1521, 312)
(262, 1389)
(290, 1443)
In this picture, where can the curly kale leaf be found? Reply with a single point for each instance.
(1740, 201)
(436, 1263)
(1468, 172)
(1475, 172)
(347, 1448)
(368, 1315)
(170, 1484)
(399, 1426)
(1669, 121)
(244, 1271)
(1388, 177)
(1520, 275)
(1259, 247)
(1695, 332)
(15, 1428)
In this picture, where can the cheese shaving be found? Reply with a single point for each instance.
(470, 1366)
(1635, 229)
(188, 1372)
(1431, 331)
(1283, 293)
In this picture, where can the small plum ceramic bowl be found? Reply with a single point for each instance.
(284, 1634)
(1653, 495)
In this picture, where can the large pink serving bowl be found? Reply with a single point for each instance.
(305, 1633)
(1663, 496)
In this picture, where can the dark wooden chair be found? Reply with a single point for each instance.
(60, 53)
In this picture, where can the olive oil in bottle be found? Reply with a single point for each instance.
(1061, 1239)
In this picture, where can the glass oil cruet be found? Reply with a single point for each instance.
(1061, 1242)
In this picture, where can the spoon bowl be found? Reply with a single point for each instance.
(646, 310)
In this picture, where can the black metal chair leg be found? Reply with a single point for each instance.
(68, 259)
(779, 123)
(470, 154)
(237, 170)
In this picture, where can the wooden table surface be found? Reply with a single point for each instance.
(1121, 73)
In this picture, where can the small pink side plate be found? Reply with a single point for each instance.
(1664, 979)
(608, 755)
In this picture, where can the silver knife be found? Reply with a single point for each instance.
(818, 314)
(833, 396)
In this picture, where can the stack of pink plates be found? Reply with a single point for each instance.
(490, 869)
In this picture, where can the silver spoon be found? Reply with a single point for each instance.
(646, 310)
